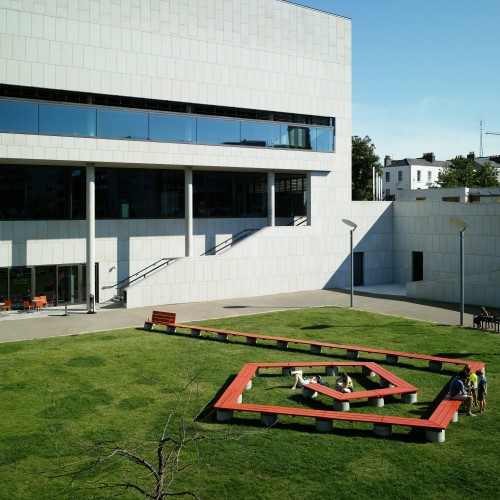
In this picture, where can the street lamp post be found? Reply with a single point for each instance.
(353, 226)
(463, 225)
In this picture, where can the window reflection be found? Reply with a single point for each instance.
(290, 195)
(122, 124)
(73, 120)
(260, 134)
(324, 139)
(67, 120)
(18, 117)
(213, 131)
(172, 128)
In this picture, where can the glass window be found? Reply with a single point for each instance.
(229, 194)
(260, 134)
(122, 124)
(429, 176)
(290, 195)
(324, 139)
(387, 177)
(67, 120)
(213, 131)
(38, 193)
(18, 117)
(295, 137)
(419, 175)
(400, 175)
(172, 128)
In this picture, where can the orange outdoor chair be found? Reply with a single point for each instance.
(6, 306)
(27, 305)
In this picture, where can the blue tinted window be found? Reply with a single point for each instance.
(296, 137)
(172, 128)
(213, 131)
(67, 120)
(324, 139)
(260, 134)
(122, 124)
(18, 117)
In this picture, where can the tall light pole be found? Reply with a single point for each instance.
(463, 225)
(353, 226)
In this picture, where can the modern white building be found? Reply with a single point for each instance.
(191, 150)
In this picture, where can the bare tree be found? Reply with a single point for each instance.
(97, 462)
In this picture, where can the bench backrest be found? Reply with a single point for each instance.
(162, 317)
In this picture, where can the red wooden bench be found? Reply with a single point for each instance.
(159, 318)
(392, 357)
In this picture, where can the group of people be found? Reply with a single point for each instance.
(471, 389)
(343, 383)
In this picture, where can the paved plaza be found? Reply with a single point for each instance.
(384, 299)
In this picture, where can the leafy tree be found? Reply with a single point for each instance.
(461, 172)
(486, 175)
(364, 160)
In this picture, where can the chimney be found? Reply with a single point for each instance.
(430, 157)
(387, 161)
(471, 156)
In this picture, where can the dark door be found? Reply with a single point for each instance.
(417, 266)
(358, 269)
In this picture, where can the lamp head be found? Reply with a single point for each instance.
(350, 223)
(462, 224)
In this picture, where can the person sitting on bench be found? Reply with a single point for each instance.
(344, 383)
(458, 392)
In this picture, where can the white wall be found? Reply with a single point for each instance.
(426, 227)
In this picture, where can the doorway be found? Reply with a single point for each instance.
(358, 270)
(417, 266)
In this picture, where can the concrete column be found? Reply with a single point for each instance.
(308, 196)
(271, 206)
(188, 210)
(90, 189)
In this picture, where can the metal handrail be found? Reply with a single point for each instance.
(230, 241)
(143, 272)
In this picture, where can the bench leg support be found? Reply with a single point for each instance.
(280, 344)
(171, 329)
(378, 402)
(341, 405)
(268, 419)
(435, 436)
(222, 336)
(435, 366)
(224, 415)
(316, 349)
(148, 326)
(409, 399)
(332, 371)
(307, 393)
(324, 425)
(350, 354)
(367, 372)
(195, 333)
(382, 430)
(390, 359)
(251, 341)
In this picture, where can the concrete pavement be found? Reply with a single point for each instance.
(383, 299)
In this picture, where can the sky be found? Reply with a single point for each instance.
(425, 74)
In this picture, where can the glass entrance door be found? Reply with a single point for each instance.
(71, 284)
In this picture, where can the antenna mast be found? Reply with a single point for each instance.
(481, 123)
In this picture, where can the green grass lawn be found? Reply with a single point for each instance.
(61, 395)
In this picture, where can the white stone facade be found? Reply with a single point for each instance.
(265, 54)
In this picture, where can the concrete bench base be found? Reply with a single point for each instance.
(382, 430)
(323, 425)
(409, 399)
(378, 402)
(268, 419)
(341, 405)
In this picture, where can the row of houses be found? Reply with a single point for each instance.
(420, 173)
